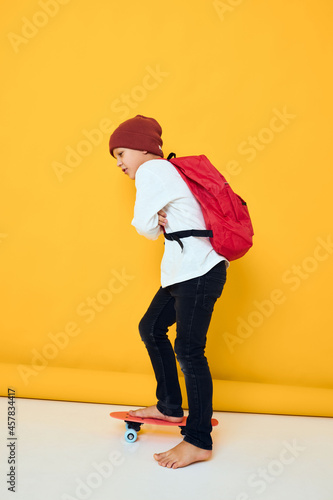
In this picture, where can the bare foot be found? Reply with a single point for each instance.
(153, 412)
(182, 455)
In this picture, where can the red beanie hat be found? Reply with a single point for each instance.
(140, 133)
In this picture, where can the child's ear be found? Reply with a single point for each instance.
(145, 152)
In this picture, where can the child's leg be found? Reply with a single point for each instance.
(153, 329)
(194, 303)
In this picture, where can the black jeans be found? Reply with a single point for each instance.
(190, 304)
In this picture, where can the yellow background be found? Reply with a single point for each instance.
(249, 84)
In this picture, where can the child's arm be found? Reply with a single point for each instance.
(151, 198)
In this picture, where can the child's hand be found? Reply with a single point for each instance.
(162, 220)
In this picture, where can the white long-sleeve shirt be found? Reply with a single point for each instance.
(160, 186)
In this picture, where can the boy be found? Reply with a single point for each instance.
(191, 281)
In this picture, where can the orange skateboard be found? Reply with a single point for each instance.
(133, 424)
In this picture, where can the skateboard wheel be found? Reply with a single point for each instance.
(131, 436)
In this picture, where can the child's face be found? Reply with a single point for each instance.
(129, 160)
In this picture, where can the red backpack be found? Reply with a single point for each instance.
(227, 219)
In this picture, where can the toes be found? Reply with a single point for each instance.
(135, 413)
(165, 460)
(159, 457)
(162, 459)
(167, 463)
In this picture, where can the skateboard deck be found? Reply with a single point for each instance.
(133, 424)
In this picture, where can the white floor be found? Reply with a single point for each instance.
(75, 451)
